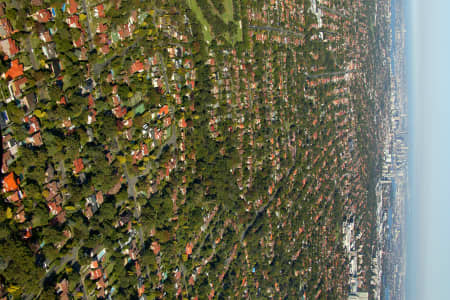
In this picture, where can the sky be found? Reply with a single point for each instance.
(428, 217)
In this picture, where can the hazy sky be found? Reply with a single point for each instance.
(428, 46)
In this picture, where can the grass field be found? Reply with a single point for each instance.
(206, 28)
(238, 36)
(227, 16)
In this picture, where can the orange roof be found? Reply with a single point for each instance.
(43, 15)
(119, 111)
(94, 264)
(164, 110)
(9, 183)
(28, 233)
(100, 10)
(96, 274)
(15, 71)
(182, 123)
(102, 28)
(72, 7)
(78, 164)
(141, 290)
(54, 208)
(73, 21)
(189, 248)
(137, 67)
(155, 247)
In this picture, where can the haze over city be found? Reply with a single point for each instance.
(428, 223)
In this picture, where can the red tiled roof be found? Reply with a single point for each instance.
(28, 233)
(72, 7)
(127, 123)
(62, 100)
(137, 67)
(144, 149)
(99, 197)
(105, 49)
(35, 140)
(9, 47)
(101, 28)
(15, 71)
(80, 42)
(124, 32)
(91, 102)
(45, 36)
(119, 111)
(18, 85)
(88, 212)
(33, 123)
(155, 247)
(189, 248)
(9, 183)
(99, 10)
(167, 121)
(43, 16)
(164, 110)
(5, 27)
(94, 264)
(96, 274)
(78, 164)
(182, 123)
(54, 208)
(141, 290)
(72, 21)
(116, 100)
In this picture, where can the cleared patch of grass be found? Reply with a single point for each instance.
(206, 28)
(238, 35)
(227, 16)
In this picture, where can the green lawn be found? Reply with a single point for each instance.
(199, 14)
(227, 16)
(238, 36)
